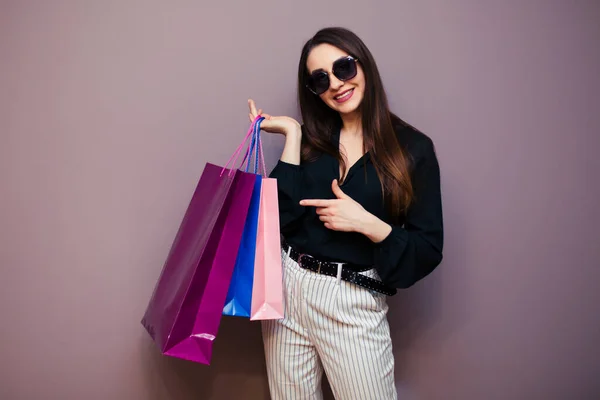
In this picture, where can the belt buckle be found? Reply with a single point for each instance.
(301, 256)
(300, 259)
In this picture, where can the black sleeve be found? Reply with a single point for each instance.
(289, 188)
(413, 251)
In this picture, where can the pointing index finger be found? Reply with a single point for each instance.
(315, 203)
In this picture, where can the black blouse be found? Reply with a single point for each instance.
(414, 247)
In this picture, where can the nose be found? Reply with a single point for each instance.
(334, 82)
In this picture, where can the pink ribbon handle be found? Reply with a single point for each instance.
(237, 151)
(262, 158)
(253, 148)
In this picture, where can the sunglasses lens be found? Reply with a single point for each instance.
(318, 82)
(345, 69)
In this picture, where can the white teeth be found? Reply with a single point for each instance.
(339, 96)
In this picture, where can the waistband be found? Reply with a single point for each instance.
(348, 272)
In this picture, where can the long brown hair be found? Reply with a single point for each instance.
(379, 136)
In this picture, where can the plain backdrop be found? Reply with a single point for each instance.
(110, 109)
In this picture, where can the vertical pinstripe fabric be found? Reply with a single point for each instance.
(332, 326)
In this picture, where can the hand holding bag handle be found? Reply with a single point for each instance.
(249, 135)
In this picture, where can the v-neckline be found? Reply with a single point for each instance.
(349, 168)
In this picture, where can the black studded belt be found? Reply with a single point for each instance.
(349, 273)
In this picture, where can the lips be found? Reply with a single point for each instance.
(344, 96)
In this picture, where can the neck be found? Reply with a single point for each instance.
(351, 124)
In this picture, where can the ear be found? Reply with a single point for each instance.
(337, 191)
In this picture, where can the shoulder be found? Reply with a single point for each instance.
(416, 143)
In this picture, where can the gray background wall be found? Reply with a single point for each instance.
(109, 110)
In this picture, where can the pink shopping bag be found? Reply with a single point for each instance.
(267, 290)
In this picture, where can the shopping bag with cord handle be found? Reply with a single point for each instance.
(186, 306)
(239, 296)
(267, 290)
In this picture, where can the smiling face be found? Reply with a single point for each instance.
(346, 96)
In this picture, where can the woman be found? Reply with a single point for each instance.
(360, 211)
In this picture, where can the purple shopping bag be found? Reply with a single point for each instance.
(185, 310)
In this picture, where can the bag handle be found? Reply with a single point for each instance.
(249, 134)
(262, 155)
(251, 150)
(256, 149)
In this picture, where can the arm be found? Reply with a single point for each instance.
(288, 173)
(403, 254)
(406, 254)
(291, 150)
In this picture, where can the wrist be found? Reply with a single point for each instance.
(294, 132)
(374, 228)
(292, 147)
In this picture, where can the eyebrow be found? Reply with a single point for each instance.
(334, 61)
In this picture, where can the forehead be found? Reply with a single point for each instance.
(323, 56)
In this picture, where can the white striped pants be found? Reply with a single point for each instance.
(334, 326)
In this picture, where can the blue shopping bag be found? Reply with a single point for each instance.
(239, 296)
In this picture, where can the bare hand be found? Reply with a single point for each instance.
(282, 125)
(339, 214)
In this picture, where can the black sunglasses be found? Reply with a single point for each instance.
(344, 69)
